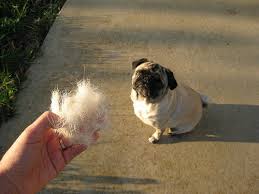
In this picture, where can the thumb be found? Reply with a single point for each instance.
(72, 151)
(42, 123)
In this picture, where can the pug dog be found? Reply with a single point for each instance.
(163, 103)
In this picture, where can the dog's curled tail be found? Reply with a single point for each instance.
(205, 100)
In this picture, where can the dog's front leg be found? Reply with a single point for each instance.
(156, 136)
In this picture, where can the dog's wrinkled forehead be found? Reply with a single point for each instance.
(144, 64)
(153, 67)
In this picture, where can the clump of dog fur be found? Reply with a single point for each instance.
(82, 112)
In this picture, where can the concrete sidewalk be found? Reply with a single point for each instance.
(211, 46)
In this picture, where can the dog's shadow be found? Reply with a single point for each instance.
(223, 122)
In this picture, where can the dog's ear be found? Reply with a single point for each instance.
(172, 84)
(138, 62)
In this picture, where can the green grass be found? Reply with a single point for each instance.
(8, 90)
(23, 27)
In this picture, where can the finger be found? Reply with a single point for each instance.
(73, 151)
(65, 140)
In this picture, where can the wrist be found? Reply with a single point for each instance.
(6, 184)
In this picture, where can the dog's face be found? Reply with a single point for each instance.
(151, 80)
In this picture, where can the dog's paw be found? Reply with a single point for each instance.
(170, 132)
(153, 139)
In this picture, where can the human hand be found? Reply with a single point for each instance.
(36, 157)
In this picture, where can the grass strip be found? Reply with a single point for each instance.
(23, 26)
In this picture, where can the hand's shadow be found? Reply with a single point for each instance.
(223, 122)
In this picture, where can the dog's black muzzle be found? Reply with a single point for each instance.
(148, 84)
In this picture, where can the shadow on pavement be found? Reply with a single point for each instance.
(224, 123)
(118, 180)
(88, 191)
(73, 181)
(95, 184)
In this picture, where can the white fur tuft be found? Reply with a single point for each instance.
(82, 112)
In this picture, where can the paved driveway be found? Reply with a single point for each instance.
(213, 46)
